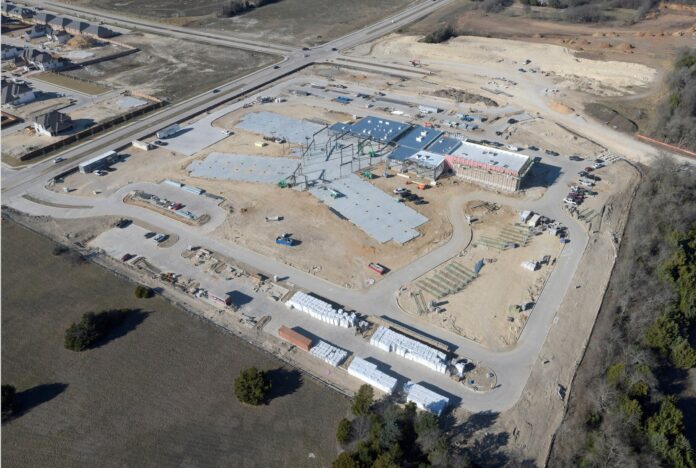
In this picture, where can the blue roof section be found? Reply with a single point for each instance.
(444, 145)
(377, 129)
(418, 137)
(401, 153)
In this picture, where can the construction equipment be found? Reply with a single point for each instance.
(368, 174)
(283, 184)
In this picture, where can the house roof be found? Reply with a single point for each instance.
(43, 16)
(59, 21)
(99, 30)
(77, 25)
(12, 90)
(54, 121)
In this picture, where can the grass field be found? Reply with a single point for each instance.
(294, 22)
(65, 81)
(158, 392)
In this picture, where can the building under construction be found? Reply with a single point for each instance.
(429, 153)
(490, 167)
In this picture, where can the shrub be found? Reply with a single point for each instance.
(442, 34)
(143, 292)
(363, 400)
(615, 373)
(344, 460)
(92, 327)
(251, 386)
(80, 336)
(8, 399)
(344, 432)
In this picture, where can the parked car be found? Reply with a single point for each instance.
(159, 238)
(150, 235)
(598, 165)
(575, 157)
(401, 190)
(569, 201)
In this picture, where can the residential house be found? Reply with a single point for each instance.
(59, 23)
(38, 30)
(76, 27)
(16, 92)
(98, 31)
(9, 51)
(44, 61)
(61, 37)
(42, 17)
(52, 123)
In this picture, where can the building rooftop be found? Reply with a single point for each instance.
(427, 159)
(444, 145)
(54, 121)
(492, 158)
(418, 137)
(374, 128)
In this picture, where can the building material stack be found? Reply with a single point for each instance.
(321, 310)
(368, 373)
(331, 355)
(393, 342)
(425, 399)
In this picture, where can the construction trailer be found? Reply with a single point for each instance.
(293, 337)
(490, 167)
(99, 162)
(168, 131)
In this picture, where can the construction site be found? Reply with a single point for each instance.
(412, 216)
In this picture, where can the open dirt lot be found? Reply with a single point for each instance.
(66, 81)
(172, 69)
(481, 311)
(294, 22)
(157, 392)
(593, 76)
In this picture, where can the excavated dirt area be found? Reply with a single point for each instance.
(484, 310)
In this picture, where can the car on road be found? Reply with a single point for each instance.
(216, 90)
(276, 67)
(150, 235)
(575, 157)
(58, 160)
(334, 49)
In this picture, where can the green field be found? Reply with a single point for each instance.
(159, 392)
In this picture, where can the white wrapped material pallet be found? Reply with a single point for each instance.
(328, 353)
(393, 342)
(368, 373)
(321, 310)
(425, 399)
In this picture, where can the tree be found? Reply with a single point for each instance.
(251, 386)
(344, 460)
(363, 400)
(79, 336)
(665, 433)
(344, 432)
(8, 399)
(143, 292)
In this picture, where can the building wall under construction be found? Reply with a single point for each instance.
(489, 179)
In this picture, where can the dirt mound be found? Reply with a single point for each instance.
(463, 96)
(82, 42)
(625, 46)
(560, 107)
